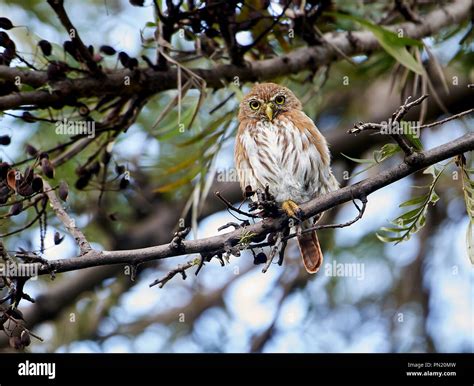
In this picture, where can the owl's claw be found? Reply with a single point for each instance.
(292, 209)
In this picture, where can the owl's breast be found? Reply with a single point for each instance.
(281, 156)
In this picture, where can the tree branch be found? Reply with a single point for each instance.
(68, 222)
(150, 81)
(218, 243)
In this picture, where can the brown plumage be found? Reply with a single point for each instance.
(279, 146)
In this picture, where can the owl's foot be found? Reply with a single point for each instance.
(292, 209)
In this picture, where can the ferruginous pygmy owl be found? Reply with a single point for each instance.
(279, 146)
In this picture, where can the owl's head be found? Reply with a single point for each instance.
(266, 101)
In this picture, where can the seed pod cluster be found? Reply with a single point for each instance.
(85, 174)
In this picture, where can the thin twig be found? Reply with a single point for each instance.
(231, 207)
(58, 7)
(341, 225)
(440, 122)
(68, 222)
(179, 269)
(273, 252)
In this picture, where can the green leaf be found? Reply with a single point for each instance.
(431, 170)
(414, 201)
(359, 160)
(388, 150)
(411, 214)
(386, 239)
(392, 230)
(434, 198)
(390, 42)
(414, 140)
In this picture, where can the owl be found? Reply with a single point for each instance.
(280, 148)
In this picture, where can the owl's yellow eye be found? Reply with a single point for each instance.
(254, 105)
(280, 99)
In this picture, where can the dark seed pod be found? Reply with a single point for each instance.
(28, 117)
(31, 150)
(107, 50)
(4, 167)
(4, 194)
(11, 178)
(132, 63)
(119, 169)
(91, 49)
(16, 208)
(5, 140)
(15, 313)
(83, 181)
(248, 191)
(25, 189)
(45, 47)
(57, 238)
(106, 156)
(124, 182)
(95, 168)
(29, 172)
(123, 58)
(137, 3)
(5, 23)
(4, 39)
(37, 184)
(260, 258)
(43, 154)
(63, 190)
(47, 168)
(25, 338)
(113, 216)
(71, 49)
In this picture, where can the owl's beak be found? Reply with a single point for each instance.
(269, 111)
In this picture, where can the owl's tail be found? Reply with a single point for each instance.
(310, 250)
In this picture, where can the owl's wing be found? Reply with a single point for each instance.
(242, 163)
(314, 156)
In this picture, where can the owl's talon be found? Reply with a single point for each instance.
(292, 210)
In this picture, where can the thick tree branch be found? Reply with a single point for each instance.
(218, 243)
(150, 81)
